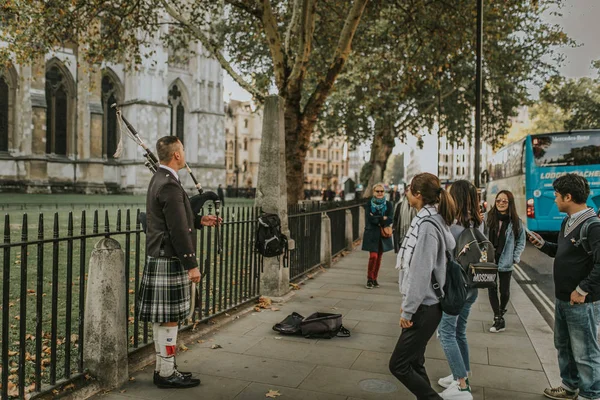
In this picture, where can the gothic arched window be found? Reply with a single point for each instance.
(177, 113)
(109, 120)
(4, 107)
(57, 112)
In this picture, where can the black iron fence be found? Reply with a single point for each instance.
(44, 278)
(305, 229)
(44, 273)
(355, 221)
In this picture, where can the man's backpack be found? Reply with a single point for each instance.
(583, 234)
(270, 242)
(473, 251)
(456, 286)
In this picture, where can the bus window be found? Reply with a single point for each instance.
(566, 149)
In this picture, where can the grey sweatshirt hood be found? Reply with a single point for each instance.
(429, 256)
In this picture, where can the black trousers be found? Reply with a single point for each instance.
(407, 363)
(503, 286)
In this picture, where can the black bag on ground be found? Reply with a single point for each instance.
(290, 325)
(472, 252)
(270, 242)
(323, 326)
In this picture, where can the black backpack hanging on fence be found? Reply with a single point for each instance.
(270, 242)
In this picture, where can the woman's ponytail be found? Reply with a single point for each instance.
(447, 208)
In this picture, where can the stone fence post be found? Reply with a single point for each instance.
(271, 192)
(361, 222)
(349, 241)
(325, 240)
(105, 327)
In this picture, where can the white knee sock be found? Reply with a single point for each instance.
(167, 337)
(155, 327)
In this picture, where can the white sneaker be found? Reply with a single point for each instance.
(446, 381)
(454, 392)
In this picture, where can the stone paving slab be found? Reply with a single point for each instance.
(255, 359)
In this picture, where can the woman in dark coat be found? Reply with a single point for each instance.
(378, 213)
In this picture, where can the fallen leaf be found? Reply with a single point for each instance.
(200, 341)
(12, 353)
(257, 308)
(309, 276)
(74, 338)
(12, 377)
(45, 361)
(132, 379)
(294, 286)
(69, 386)
(227, 315)
(30, 291)
(17, 317)
(29, 336)
(183, 347)
(11, 304)
(131, 291)
(122, 391)
(131, 320)
(272, 394)
(216, 346)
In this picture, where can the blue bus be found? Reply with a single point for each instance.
(529, 166)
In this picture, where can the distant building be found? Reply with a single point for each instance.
(243, 133)
(58, 132)
(449, 161)
(326, 164)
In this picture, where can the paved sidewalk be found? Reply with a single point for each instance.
(254, 359)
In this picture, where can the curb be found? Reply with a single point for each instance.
(538, 331)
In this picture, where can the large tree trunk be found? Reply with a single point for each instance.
(297, 140)
(381, 148)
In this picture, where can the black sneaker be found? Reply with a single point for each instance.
(369, 284)
(186, 375)
(499, 325)
(176, 381)
(375, 284)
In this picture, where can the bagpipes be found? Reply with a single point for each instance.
(197, 201)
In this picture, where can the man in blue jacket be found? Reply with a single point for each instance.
(577, 289)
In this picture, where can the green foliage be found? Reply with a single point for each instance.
(574, 104)
(414, 66)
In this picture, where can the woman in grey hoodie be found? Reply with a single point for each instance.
(423, 253)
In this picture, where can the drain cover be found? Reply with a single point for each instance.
(377, 386)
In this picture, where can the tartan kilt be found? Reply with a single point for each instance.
(164, 294)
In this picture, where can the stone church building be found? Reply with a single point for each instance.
(59, 134)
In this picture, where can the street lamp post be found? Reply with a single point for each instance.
(478, 93)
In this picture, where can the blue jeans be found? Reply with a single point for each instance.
(453, 336)
(576, 339)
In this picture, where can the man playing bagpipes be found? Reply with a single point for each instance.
(164, 295)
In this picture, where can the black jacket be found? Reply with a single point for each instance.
(171, 222)
(573, 266)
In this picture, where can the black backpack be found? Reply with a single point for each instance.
(583, 234)
(270, 242)
(475, 253)
(456, 287)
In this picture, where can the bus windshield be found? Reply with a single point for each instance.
(566, 149)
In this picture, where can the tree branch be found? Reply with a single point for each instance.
(213, 48)
(317, 98)
(292, 26)
(307, 28)
(242, 5)
(274, 41)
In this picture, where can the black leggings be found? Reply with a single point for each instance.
(504, 283)
(407, 363)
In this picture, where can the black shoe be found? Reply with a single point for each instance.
(369, 284)
(186, 375)
(176, 381)
(499, 325)
(375, 284)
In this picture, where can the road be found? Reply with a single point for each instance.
(534, 274)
